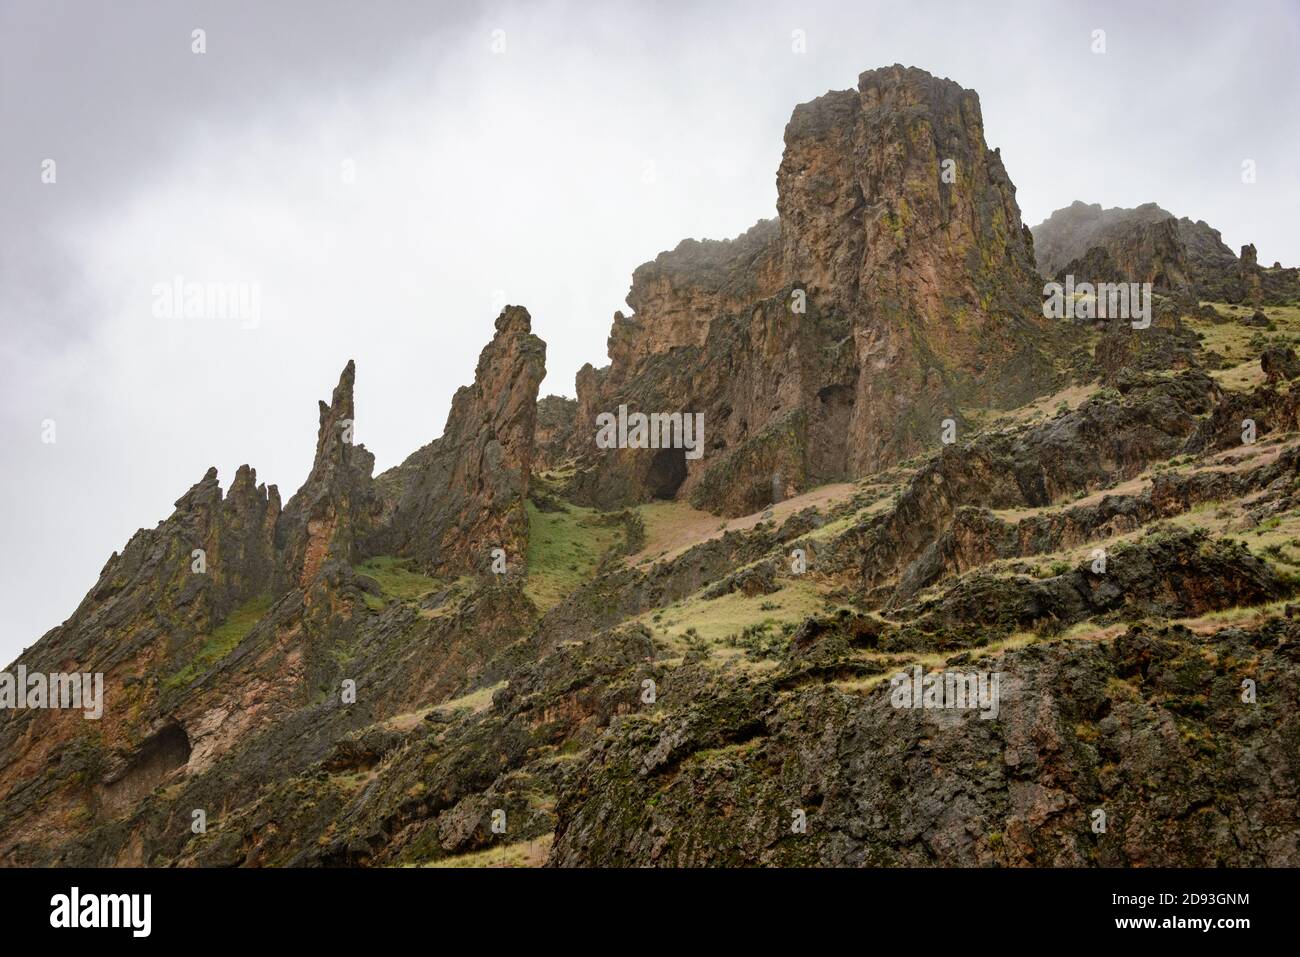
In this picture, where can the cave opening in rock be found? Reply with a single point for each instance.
(169, 748)
(667, 472)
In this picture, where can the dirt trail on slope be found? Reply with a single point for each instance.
(674, 528)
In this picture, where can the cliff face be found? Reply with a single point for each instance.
(1018, 792)
(1148, 244)
(674, 296)
(155, 607)
(1145, 252)
(897, 286)
(556, 438)
(1069, 233)
(1212, 267)
(455, 500)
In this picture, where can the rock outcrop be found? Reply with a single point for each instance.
(183, 576)
(155, 607)
(1252, 286)
(1137, 251)
(335, 509)
(555, 437)
(1279, 364)
(1081, 726)
(1149, 244)
(236, 621)
(896, 287)
(450, 504)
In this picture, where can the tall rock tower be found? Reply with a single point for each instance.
(897, 287)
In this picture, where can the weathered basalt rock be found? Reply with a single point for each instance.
(1148, 244)
(897, 286)
(328, 704)
(1279, 364)
(455, 500)
(152, 610)
(336, 507)
(1080, 725)
(1166, 344)
(1181, 573)
(1108, 439)
(556, 432)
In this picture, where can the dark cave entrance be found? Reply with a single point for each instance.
(152, 761)
(667, 472)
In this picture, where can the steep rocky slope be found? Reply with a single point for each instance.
(1114, 534)
(225, 634)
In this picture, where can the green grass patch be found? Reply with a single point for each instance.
(520, 854)
(397, 579)
(1241, 345)
(476, 701)
(237, 626)
(564, 550)
(716, 620)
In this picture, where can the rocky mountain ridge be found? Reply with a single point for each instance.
(691, 662)
(1150, 244)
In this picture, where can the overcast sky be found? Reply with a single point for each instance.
(538, 165)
